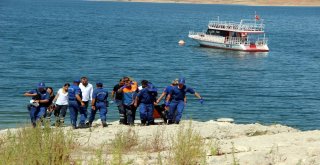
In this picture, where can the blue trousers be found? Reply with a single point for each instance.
(83, 113)
(102, 107)
(146, 112)
(175, 110)
(37, 113)
(74, 108)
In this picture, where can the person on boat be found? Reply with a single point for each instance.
(49, 105)
(146, 99)
(86, 89)
(117, 98)
(61, 101)
(99, 102)
(161, 108)
(75, 102)
(129, 92)
(176, 101)
(37, 108)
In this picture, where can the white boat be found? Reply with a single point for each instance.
(247, 35)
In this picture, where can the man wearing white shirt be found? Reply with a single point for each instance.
(87, 90)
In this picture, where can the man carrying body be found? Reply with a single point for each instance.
(40, 97)
(146, 98)
(161, 108)
(178, 100)
(129, 92)
(86, 89)
(99, 102)
(75, 102)
(117, 97)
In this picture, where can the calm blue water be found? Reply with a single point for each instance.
(56, 41)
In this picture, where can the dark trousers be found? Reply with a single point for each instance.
(130, 112)
(122, 112)
(161, 110)
(60, 113)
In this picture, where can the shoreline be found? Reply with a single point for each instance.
(271, 3)
(244, 143)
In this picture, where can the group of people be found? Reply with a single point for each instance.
(127, 95)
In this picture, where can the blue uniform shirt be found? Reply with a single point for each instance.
(167, 91)
(43, 95)
(145, 96)
(100, 94)
(179, 94)
(73, 91)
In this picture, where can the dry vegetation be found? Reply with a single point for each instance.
(184, 145)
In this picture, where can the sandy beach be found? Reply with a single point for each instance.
(248, 144)
(309, 3)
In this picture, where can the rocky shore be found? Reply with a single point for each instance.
(222, 142)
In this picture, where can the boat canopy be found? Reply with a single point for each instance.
(245, 26)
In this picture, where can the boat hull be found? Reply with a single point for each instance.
(237, 47)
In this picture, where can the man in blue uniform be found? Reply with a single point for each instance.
(161, 108)
(40, 97)
(75, 102)
(178, 100)
(146, 97)
(99, 102)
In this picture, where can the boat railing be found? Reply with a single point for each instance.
(228, 40)
(236, 26)
(245, 41)
(237, 40)
(262, 41)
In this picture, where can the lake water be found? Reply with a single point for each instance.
(55, 41)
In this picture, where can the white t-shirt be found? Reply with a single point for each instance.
(62, 98)
(86, 91)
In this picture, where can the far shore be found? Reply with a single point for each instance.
(302, 3)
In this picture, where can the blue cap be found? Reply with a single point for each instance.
(99, 83)
(181, 80)
(76, 81)
(41, 85)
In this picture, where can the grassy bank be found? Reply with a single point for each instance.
(46, 145)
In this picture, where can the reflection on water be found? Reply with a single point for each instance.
(229, 53)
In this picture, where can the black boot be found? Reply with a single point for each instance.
(104, 124)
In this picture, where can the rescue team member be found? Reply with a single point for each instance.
(129, 92)
(161, 108)
(178, 99)
(146, 98)
(117, 97)
(61, 102)
(49, 105)
(38, 109)
(86, 90)
(75, 102)
(99, 102)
